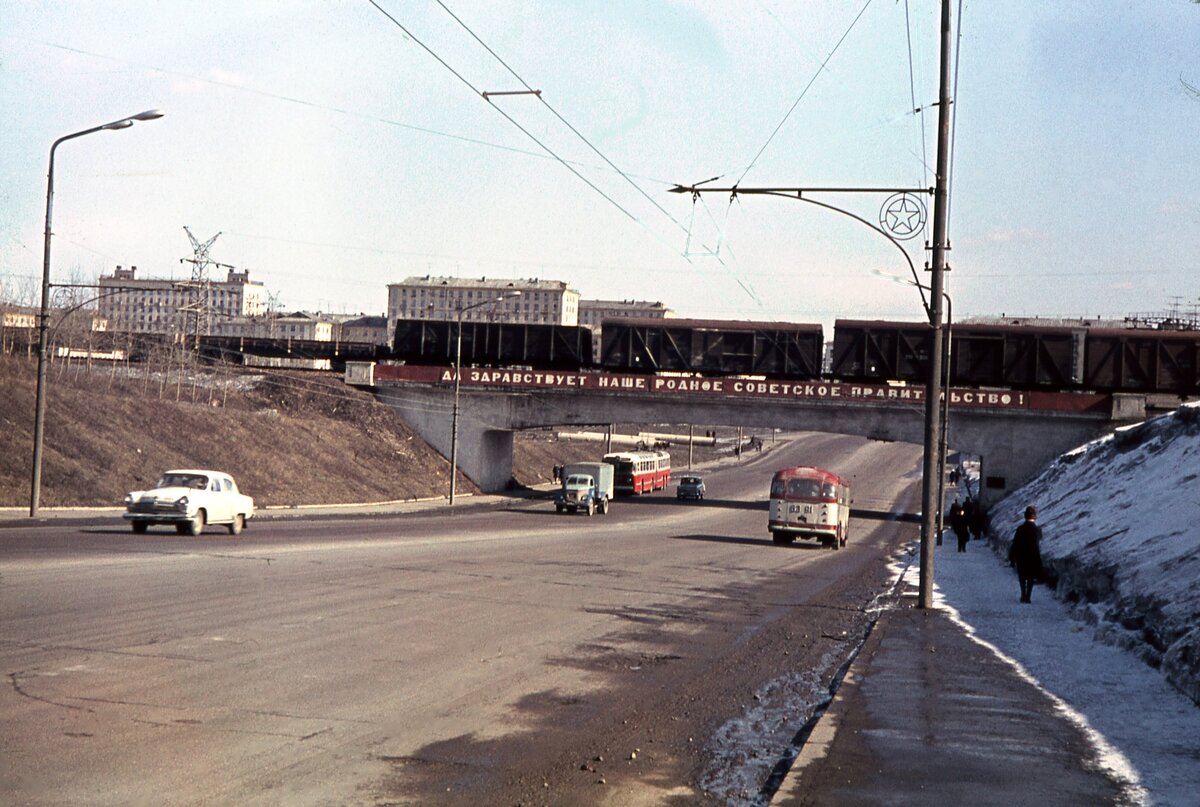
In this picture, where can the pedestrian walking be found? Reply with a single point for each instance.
(1026, 553)
(977, 521)
(969, 507)
(958, 523)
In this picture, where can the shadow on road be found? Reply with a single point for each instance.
(884, 515)
(733, 539)
(728, 504)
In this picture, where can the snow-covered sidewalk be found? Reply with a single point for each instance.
(1144, 730)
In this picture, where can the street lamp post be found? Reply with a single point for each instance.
(39, 419)
(457, 377)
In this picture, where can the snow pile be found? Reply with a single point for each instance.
(1121, 528)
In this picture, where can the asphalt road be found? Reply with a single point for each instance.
(486, 656)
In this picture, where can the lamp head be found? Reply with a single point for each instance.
(149, 114)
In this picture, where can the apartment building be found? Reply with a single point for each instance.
(296, 325)
(160, 305)
(365, 328)
(593, 312)
(540, 301)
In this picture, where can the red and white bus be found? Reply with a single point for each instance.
(640, 471)
(809, 503)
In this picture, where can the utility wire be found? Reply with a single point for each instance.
(575, 131)
(341, 111)
(561, 119)
(804, 92)
(953, 117)
(507, 117)
(912, 91)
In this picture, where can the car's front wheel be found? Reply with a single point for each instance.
(196, 526)
(139, 527)
(239, 521)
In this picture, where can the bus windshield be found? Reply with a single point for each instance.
(801, 489)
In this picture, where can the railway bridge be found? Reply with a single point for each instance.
(1015, 432)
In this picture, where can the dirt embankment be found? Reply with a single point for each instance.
(287, 437)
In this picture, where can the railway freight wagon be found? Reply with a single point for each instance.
(710, 347)
(1141, 360)
(874, 351)
(504, 344)
(1017, 356)
(237, 349)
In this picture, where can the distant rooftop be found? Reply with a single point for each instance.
(1049, 322)
(433, 281)
(623, 304)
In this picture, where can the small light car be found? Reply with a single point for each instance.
(189, 500)
(691, 486)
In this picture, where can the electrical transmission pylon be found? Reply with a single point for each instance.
(198, 309)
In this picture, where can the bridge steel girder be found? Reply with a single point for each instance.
(1014, 445)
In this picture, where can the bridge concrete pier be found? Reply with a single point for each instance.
(1014, 444)
(484, 452)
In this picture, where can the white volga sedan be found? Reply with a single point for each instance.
(190, 500)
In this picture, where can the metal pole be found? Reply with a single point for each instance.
(934, 386)
(454, 418)
(944, 432)
(39, 416)
(39, 409)
(691, 442)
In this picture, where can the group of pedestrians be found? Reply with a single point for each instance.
(967, 520)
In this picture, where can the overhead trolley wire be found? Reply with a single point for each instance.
(804, 92)
(561, 119)
(912, 91)
(507, 117)
(953, 115)
(627, 177)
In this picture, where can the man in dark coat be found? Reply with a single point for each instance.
(1026, 553)
(958, 523)
(977, 520)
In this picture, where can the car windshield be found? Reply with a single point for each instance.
(194, 481)
(579, 480)
(690, 480)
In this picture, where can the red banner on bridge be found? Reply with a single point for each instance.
(685, 386)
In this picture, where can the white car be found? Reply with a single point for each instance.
(190, 500)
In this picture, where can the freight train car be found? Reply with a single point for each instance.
(236, 349)
(1021, 357)
(711, 347)
(1140, 360)
(874, 351)
(504, 344)
(1018, 356)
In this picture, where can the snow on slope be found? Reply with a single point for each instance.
(1121, 524)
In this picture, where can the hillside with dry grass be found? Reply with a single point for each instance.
(287, 437)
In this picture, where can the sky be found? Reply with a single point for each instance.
(338, 146)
